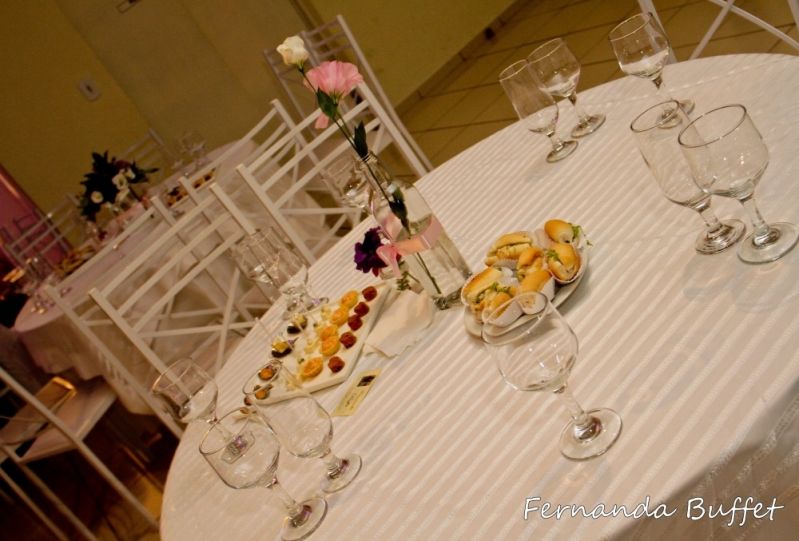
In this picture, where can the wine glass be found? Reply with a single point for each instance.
(349, 182)
(559, 71)
(268, 258)
(642, 50)
(728, 157)
(246, 255)
(656, 131)
(187, 392)
(300, 422)
(538, 355)
(244, 453)
(535, 107)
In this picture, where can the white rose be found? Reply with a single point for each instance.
(122, 194)
(96, 197)
(293, 51)
(129, 173)
(120, 181)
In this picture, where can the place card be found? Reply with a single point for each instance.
(355, 394)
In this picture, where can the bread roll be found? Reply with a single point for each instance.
(507, 247)
(519, 237)
(535, 281)
(563, 261)
(498, 300)
(560, 231)
(480, 282)
(529, 256)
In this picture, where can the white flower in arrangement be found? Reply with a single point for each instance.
(96, 198)
(129, 173)
(293, 51)
(122, 193)
(120, 181)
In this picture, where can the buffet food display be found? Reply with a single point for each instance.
(321, 347)
(551, 260)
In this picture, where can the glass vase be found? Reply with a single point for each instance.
(408, 222)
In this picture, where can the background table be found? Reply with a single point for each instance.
(697, 353)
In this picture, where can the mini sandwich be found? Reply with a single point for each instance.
(482, 289)
(563, 261)
(560, 231)
(508, 247)
(535, 281)
(531, 259)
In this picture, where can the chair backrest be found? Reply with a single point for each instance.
(727, 7)
(97, 399)
(335, 41)
(183, 291)
(301, 167)
(48, 235)
(86, 316)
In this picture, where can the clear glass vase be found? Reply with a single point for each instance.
(409, 223)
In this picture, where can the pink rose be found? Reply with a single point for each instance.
(335, 79)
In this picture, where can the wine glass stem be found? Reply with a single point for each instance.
(333, 464)
(293, 509)
(762, 234)
(577, 109)
(557, 144)
(584, 425)
(714, 226)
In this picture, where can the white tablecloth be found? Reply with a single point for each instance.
(697, 353)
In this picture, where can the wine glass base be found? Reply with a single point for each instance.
(557, 155)
(785, 237)
(730, 233)
(348, 472)
(606, 435)
(313, 512)
(687, 106)
(591, 124)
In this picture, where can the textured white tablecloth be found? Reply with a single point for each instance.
(697, 353)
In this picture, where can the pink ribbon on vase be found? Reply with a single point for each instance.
(391, 252)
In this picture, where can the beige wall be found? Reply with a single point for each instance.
(48, 128)
(407, 41)
(177, 65)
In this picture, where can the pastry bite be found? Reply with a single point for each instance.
(330, 345)
(562, 231)
(355, 322)
(361, 309)
(311, 368)
(339, 316)
(327, 331)
(348, 340)
(563, 261)
(280, 347)
(335, 364)
(262, 391)
(349, 299)
(369, 293)
(297, 324)
(507, 248)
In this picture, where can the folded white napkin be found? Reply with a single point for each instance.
(400, 324)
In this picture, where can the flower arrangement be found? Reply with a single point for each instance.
(330, 81)
(368, 257)
(108, 183)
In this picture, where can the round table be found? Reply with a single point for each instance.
(698, 354)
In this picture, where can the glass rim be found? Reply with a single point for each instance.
(512, 70)
(645, 18)
(218, 423)
(560, 41)
(161, 377)
(548, 309)
(704, 143)
(661, 120)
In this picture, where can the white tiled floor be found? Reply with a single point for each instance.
(470, 104)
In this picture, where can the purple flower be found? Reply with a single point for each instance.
(366, 258)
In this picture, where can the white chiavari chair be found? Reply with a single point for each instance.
(183, 295)
(57, 419)
(335, 41)
(301, 167)
(727, 7)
